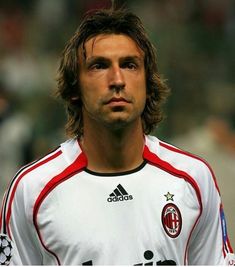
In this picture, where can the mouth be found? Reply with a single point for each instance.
(117, 100)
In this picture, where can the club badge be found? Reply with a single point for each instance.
(171, 220)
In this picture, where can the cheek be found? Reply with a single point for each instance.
(87, 89)
(142, 101)
(142, 95)
(86, 96)
(141, 90)
(88, 100)
(91, 99)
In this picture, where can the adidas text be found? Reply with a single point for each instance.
(120, 198)
(119, 194)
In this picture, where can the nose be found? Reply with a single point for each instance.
(116, 79)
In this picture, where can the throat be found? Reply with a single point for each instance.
(115, 155)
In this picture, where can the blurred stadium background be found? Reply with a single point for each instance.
(195, 42)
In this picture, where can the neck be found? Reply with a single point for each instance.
(113, 151)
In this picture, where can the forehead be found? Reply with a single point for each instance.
(108, 45)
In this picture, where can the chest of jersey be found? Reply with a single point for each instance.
(135, 218)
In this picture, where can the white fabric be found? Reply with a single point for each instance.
(167, 209)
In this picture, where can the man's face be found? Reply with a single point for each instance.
(112, 81)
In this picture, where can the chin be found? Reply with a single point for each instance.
(121, 122)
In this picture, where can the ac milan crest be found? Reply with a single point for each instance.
(171, 220)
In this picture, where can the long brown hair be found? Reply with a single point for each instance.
(109, 21)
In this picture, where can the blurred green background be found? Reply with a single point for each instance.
(195, 41)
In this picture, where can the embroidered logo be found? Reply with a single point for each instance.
(5, 250)
(119, 194)
(171, 220)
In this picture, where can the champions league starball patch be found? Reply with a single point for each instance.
(171, 220)
(5, 250)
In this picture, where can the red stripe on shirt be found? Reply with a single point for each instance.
(79, 164)
(164, 165)
(1, 215)
(174, 149)
(7, 194)
(8, 216)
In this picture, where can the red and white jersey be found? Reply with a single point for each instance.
(166, 211)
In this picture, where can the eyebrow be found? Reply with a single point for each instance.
(132, 58)
(94, 59)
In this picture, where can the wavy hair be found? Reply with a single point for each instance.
(109, 21)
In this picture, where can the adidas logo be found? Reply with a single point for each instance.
(119, 194)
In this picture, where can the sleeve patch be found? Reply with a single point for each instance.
(5, 250)
(226, 243)
(223, 225)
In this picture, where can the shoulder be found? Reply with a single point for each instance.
(174, 155)
(41, 170)
(31, 179)
(196, 167)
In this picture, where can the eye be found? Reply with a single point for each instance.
(98, 66)
(130, 65)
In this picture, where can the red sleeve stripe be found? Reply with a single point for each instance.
(172, 170)
(78, 165)
(155, 160)
(1, 215)
(12, 189)
(7, 193)
(226, 245)
(174, 149)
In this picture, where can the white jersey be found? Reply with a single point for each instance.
(167, 211)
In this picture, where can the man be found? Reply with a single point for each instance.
(112, 194)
